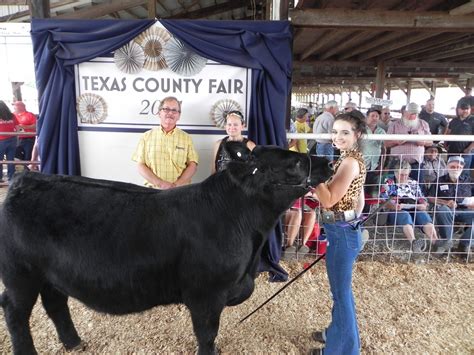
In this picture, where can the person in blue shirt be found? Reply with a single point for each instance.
(453, 202)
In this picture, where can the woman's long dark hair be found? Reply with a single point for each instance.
(5, 113)
(357, 120)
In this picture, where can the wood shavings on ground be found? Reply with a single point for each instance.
(402, 308)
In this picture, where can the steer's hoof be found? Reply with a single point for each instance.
(79, 347)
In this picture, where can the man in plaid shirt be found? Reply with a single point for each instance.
(165, 155)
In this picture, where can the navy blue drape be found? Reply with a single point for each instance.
(265, 47)
(57, 46)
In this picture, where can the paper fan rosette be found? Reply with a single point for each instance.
(91, 108)
(153, 41)
(220, 109)
(181, 59)
(130, 58)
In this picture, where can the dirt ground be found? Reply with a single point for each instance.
(402, 308)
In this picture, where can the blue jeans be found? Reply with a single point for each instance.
(401, 218)
(325, 150)
(344, 244)
(27, 145)
(8, 147)
(468, 163)
(444, 218)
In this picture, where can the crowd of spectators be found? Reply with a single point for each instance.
(429, 181)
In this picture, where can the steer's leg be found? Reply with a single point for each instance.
(17, 302)
(205, 315)
(55, 304)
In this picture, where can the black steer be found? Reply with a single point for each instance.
(121, 248)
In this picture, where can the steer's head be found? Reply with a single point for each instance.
(286, 168)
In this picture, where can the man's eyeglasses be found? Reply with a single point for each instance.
(170, 110)
(347, 108)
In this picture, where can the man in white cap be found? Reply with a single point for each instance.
(453, 201)
(323, 124)
(413, 151)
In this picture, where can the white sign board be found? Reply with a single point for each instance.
(115, 108)
(378, 101)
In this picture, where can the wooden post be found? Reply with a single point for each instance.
(408, 91)
(360, 97)
(380, 80)
(284, 9)
(39, 9)
(468, 84)
(151, 9)
(433, 90)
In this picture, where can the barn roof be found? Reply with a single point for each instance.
(339, 45)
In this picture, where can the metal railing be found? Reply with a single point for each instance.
(385, 241)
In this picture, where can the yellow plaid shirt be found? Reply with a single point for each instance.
(166, 154)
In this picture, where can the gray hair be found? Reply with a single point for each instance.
(329, 104)
(351, 104)
(404, 165)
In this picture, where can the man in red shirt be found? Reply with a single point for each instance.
(26, 123)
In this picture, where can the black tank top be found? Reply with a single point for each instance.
(223, 156)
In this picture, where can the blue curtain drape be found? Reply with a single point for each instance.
(57, 46)
(263, 46)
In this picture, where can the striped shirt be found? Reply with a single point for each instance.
(166, 154)
(408, 150)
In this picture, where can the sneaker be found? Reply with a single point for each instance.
(442, 246)
(418, 245)
(318, 351)
(303, 250)
(318, 336)
(462, 249)
(365, 237)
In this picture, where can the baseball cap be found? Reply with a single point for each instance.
(374, 109)
(434, 146)
(456, 158)
(413, 107)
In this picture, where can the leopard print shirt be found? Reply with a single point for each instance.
(349, 200)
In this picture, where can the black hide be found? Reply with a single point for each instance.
(120, 248)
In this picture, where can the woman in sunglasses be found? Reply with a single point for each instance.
(235, 123)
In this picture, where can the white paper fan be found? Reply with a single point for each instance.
(130, 58)
(91, 108)
(220, 109)
(183, 60)
(153, 41)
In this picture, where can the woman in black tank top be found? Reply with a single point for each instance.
(234, 125)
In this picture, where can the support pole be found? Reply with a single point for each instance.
(380, 80)
(39, 8)
(151, 9)
(408, 91)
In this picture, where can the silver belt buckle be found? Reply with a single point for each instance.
(328, 217)
(349, 215)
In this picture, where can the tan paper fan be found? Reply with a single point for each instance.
(220, 109)
(91, 108)
(153, 41)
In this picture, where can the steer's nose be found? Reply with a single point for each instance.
(331, 165)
